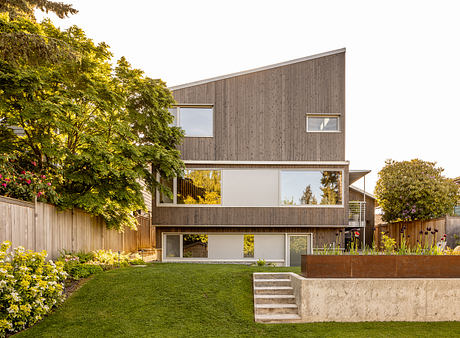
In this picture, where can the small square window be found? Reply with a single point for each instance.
(322, 123)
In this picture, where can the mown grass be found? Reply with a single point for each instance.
(194, 300)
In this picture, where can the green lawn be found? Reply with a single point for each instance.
(193, 300)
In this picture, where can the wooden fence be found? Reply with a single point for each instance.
(42, 226)
(425, 232)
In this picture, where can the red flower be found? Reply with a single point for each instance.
(34, 163)
(356, 233)
(23, 172)
(48, 183)
(4, 184)
(28, 181)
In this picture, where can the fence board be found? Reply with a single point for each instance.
(73, 230)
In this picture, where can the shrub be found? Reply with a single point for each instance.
(414, 190)
(29, 287)
(84, 270)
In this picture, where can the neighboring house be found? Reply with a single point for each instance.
(266, 175)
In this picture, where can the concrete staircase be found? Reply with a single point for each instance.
(274, 300)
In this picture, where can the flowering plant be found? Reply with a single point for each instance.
(29, 287)
(24, 184)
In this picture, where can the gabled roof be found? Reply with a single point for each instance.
(285, 63)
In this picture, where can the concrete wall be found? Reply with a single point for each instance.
(375, 299)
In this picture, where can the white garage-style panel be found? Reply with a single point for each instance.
(250, 187)
(269, 247)
(225, 246)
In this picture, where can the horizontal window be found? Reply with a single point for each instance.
(196, 121)
(253, 188)
(323, 123)
(311, 187)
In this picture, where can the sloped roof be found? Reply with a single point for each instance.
(362, 192)
(285, 63)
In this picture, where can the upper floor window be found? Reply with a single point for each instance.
(311, 187)
(317, 123)
(197, 121)
(195, 187)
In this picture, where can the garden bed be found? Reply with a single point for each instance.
(380, 266)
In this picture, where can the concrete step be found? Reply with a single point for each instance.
(271, 275)
(274, 299)
(277, 318)
(273, 290)
(272, 282)
(263, 309)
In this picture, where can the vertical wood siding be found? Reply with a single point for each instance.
(261, 116)
(44, 227)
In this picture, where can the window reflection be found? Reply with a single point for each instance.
(311, 187)
(323, 123)
(199, 187)
(164, 196)
(195, 246)
(248, 246)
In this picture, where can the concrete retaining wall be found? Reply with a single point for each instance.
(377, 299)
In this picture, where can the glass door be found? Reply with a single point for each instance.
(298, 245)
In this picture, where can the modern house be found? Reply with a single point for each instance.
(266, 173)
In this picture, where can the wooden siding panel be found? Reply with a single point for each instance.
(262, 115)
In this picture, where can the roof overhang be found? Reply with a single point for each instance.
(354, 175)
(362, 192)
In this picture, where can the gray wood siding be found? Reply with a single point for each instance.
(261, 116)
(254, 216)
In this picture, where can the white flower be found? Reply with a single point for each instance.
(2, 283)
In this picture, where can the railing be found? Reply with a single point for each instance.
(357, 214)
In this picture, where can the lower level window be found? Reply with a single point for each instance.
(195, 246)
(248, 246)
(172, 245)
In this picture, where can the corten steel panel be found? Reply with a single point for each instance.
(262, 115)
(373, 266)
(368, 266)
(327, 266)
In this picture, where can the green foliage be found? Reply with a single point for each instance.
(26, 8)
(24, 185)
(414, 190)
(307, 197)
(29, 287)
(388, 243)
(331, 183)
(84, 270)
(261, 262)
(98, 129)
(206, 187)
(84, 264)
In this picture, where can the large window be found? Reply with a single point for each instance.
(302, 187)
(195, 246)
(195, 187)
(322, 123)
(196, 121)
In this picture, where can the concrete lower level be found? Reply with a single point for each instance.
(376, 299)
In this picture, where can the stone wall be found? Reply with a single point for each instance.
(377, 299)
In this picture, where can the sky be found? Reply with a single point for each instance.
(402, 60)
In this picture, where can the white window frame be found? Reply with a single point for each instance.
(323, 116)
(176, 122)
(284, 262)
(279, 205)
(175, 204)
(342, 205)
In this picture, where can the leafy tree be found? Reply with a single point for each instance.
(331, 187)
(414, 190)
(98, 130)
(308, 197)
